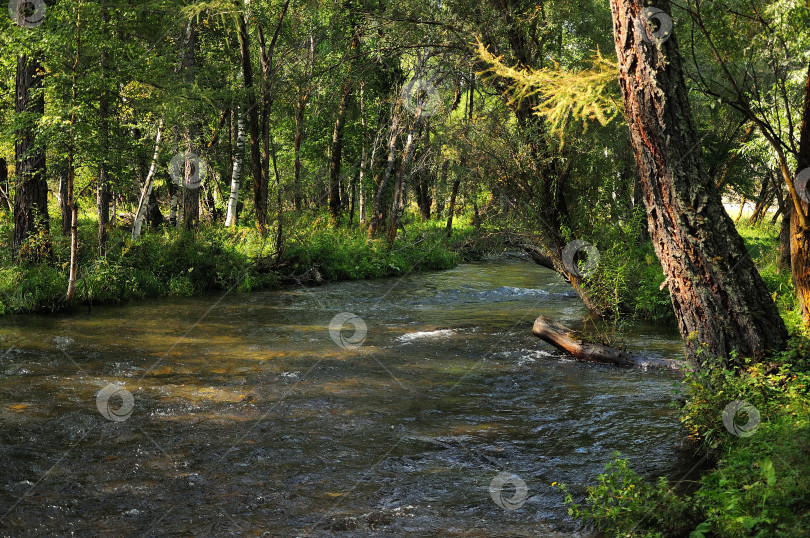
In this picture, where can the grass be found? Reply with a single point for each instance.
(171, 262)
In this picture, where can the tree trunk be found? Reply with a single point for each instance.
(800, 235)
(423, 185)
(103, 207)
(299, 137)
(191, 195)
(764, 202)
(719, 299)
(280, 227)
(190, 188)
(565, 339)
(5, 191)
(64, 203)
(441, 188)
(462, 164)
(102, 187)
(451, 207)
(31, 198)
(140, 213)
(173, 186)
(784, 238)
(74, 208)
(361, 182)
(236, 173)
(352, 198)
(337, 155)
(154, 217)
(303, 97)
(401, 186)
(376, 208)
(259, 181)
(743, 201)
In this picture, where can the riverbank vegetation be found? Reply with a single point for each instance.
(174, 149)
(209, 259)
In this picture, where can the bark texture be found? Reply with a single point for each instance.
(260, 187)
(717, 294)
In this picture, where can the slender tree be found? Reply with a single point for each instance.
(260, 187)
(146, 193)
(236, 172)
(74, 208)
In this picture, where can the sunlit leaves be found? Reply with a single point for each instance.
(562, 96)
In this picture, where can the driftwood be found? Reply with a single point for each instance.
(563, 339)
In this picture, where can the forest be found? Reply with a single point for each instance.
(357, 267)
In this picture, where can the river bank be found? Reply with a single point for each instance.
(173, 263)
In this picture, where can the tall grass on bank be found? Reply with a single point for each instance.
(171, 262)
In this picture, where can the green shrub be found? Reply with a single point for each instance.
(623, 504)
(28, 288)
(759, 486)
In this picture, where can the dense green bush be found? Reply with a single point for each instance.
(759, 486)
(624, 504)
(164, 262)
(628, 279)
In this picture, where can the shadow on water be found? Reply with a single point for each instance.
(254, 420)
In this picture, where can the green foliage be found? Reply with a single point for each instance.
(164, 263)
(182, 263)
(629, 275)
(623, 504)
(762, 242)
(25, 288)
(348, 254)
(759, 487)
(587, 95)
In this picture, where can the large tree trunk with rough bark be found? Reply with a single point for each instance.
(31, 198)
(719, 299)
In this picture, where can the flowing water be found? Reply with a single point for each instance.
(248, 418)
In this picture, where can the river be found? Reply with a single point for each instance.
(243, 415)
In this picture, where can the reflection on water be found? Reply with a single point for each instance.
(253, 420)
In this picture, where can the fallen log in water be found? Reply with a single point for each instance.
(563, 339)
